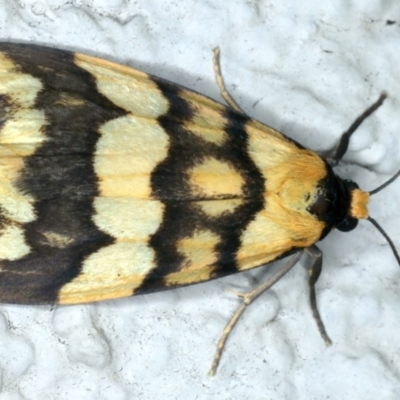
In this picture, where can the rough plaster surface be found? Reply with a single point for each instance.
(307, 69)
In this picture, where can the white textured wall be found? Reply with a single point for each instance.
(307, 69)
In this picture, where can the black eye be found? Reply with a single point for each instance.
(347, 224)
(321, 205)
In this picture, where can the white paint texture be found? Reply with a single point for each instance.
(307, 69)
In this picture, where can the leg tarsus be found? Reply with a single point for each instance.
(314, 274)
(238, 294)
(247, 300)
(220, 82)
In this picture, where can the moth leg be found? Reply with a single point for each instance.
(238, 294)
(248, 298)
(314, 273)
(345, 138)
(220, 82)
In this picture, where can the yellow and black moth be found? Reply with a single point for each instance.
(117, 183)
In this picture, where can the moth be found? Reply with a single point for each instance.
(115, 183)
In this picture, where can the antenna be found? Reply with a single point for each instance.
(387, 183)
(386, 236)
(377, 226)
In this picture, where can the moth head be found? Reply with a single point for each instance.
(341, 204)
(357, 208)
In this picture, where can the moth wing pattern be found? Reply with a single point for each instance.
(115, 182)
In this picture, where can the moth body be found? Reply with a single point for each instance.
(114, 182)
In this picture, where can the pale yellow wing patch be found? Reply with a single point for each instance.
(126, 87)
(215, 179)
(208, 119)
(219, 208)
(12, 243)
(200, 255)
(128, 218)
(116, 270)
(127, 152)
(112, 272)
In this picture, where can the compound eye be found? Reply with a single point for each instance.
(347, 224)
(321, 205)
